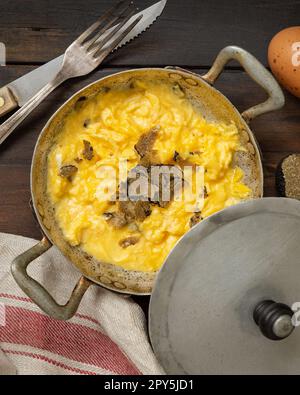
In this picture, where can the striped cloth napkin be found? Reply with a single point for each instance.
(108, 335)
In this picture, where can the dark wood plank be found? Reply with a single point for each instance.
(278, 134)
(16, 216)
(189, 32)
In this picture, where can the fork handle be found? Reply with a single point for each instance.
(11, 123)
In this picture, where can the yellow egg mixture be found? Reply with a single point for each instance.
(112, 123)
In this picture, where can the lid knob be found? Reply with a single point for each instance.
(274, 319)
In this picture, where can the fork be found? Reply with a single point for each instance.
(85, 54)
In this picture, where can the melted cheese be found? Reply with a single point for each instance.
(116, 119)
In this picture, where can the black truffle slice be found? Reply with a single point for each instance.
(288, 177)
(88, 151)
(195, 219)
(129, 241)
(68, 172)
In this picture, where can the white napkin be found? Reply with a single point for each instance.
(108, 335)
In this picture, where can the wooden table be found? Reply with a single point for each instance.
(188, 34)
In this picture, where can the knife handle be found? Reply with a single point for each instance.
(8, 126)
(7, 101)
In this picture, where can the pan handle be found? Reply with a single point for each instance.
(37, 292)
(257, 72)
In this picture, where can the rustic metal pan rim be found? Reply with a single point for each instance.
(215, 106)
(182, 72)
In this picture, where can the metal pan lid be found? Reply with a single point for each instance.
(221, 302)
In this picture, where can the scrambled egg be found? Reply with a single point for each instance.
(112, 123)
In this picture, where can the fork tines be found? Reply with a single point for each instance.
(118, 37)
(123, 9)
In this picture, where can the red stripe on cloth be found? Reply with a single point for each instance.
(73, 341)
(86, 317)
(15, 297)
(48, 360)
(23, 299)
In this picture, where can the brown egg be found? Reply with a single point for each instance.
(284, 58)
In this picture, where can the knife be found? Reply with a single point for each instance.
(18, 92)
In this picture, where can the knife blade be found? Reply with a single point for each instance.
(18, 92)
